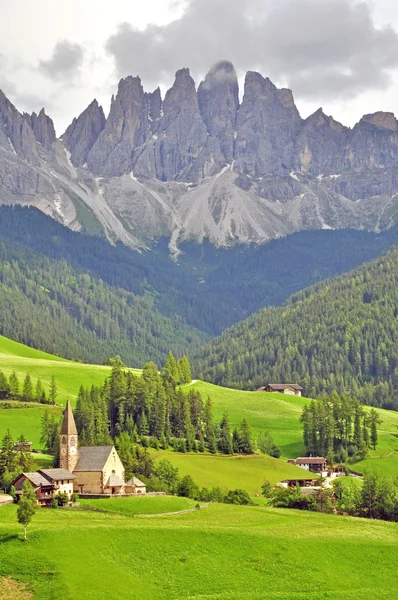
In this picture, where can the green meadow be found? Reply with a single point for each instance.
(69, 375)
(276, 413)
(217, 553)
(231, 472)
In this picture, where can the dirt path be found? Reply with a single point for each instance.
(5, 499)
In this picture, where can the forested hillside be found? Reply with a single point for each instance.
(340, 335)
(48, 305)
(211, 288)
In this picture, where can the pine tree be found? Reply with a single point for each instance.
(14, 384)
(7, 454)
(374, 421)
(52, 395)
(39, 390)
(27, 506)
(184, 370)
(225, 438)
(246, 445)
(27, 391)
(4, 386)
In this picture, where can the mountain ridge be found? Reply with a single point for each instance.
(199, 164)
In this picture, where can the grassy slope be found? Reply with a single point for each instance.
(274, 412)
(138, 506)
(247, 472)
(68, 375)
(219, 553)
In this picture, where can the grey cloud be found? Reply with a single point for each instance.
(65, 62)
(321, 49)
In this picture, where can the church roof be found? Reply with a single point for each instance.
(92, 458)
(114, 481)
(68, 426)
(57, 474)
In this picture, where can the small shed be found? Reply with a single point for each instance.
(134, 486)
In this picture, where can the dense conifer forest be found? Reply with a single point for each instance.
(211, 288)
(48, 305)
(340, 335)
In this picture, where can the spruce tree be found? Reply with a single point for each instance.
(4, 386)
(52, 395)
(14, 384)
(246, 445)
(27, 390)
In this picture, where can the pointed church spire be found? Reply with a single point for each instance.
(68, 426)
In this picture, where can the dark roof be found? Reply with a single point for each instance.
(310, 460)
(68, 426)
(57, 474)
(284, 386)
(36, 478)
(93, 458)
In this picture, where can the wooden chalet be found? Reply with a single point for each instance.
(315, 464)
(283, 388)
(46, 483)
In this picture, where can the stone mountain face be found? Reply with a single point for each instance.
(199, 163)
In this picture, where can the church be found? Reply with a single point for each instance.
(96, 469)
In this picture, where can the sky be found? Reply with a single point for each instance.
(338, 54)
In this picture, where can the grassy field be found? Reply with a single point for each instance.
(276, 413)
(247, 472)
(69, 375)
(138, 506)
(218, 553)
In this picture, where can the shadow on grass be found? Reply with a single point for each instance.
(9, 537)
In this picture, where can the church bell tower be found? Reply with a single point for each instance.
(68, 449)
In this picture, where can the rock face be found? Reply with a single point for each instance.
(320, 146)
(267, 126)
(126, 129)
(199, 164)
(218, 97)
(83, 132)
(42, 127)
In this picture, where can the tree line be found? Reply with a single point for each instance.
(154, 409)
(373, 497)
(339, 335)
(339, 428)
(12, 389)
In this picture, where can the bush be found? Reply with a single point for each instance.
(238, 497)
(74, 497)
(61, 499)
(187, 488)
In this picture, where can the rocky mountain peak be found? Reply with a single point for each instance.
(218, 97)
(16, 132)
(81, 134)
(126, 128)
(267, 124)
(43, 128)
(385, 120)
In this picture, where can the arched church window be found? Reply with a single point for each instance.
(72, 441)
(63, 440)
